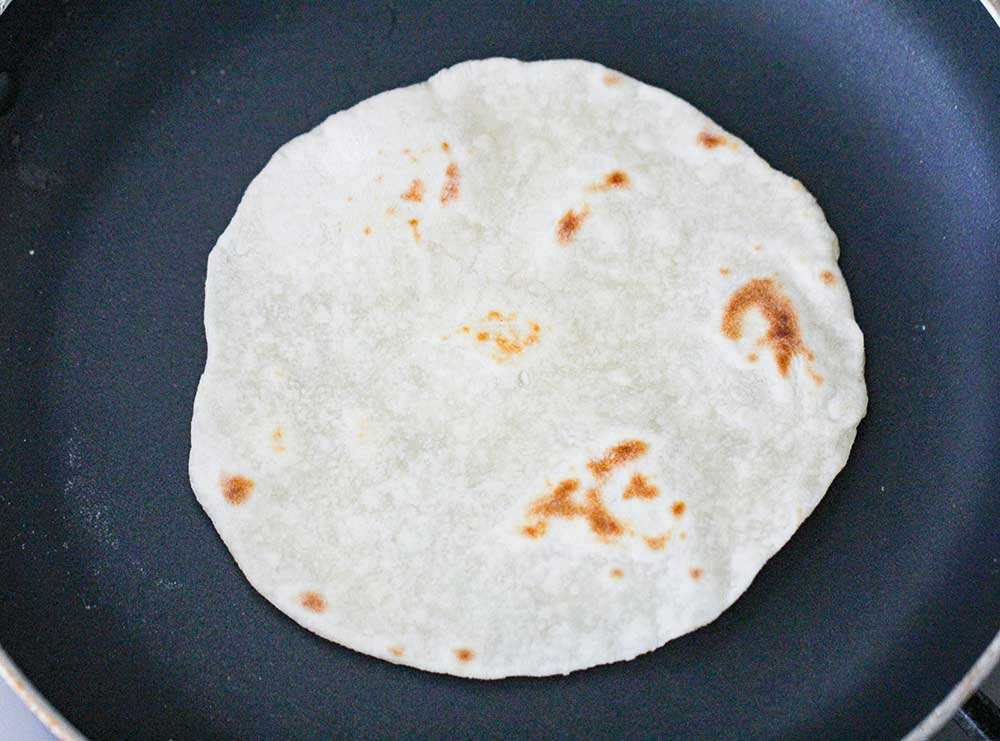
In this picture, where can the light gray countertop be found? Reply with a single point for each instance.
(16, 721)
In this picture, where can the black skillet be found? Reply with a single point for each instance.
(129, 136)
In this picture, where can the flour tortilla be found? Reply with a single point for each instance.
(437, 309)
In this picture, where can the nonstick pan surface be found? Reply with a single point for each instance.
(134, 129)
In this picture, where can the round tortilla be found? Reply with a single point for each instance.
(524, 369)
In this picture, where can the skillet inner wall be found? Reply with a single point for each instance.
(134, 133)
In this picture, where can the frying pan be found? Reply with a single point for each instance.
(131, 130)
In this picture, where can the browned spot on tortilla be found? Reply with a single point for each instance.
(710, 141)
(827, 277)
(278, 440)
(350, 198)
(683, 535)
(616, 179)
(559, 503)
(509, 347)
(599, 517)
(678, 508)
(657, 542)
(416, 191)
(379, 178)
(312, 601)
(396, 650)
(724, 271)
(815, 376)
(445, 147)
(640, 488)
(570, 224)
(752, 357)
(696, 572)
(368, 231)
(508, 335)
(236, 489)
(783, 335)
(535, 531)
(617, 573)
(408, 153)
(391, 211)
(414, 223)
(449, 191)
(616, 456)
(611, 79)
(465, 654)
(758, 247)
